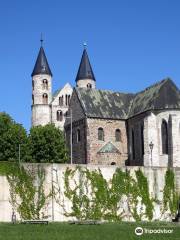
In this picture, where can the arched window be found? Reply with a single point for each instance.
(89, 85)
(117, 135)
(100, 134)
(61, 101)
(133, 145)
(142, 140)
(164, 137)
(32, 99)
(45, 84)
(78, 135)
(45, 98)
(33, 84)
(59, 115)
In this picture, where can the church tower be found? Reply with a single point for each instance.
(41, 90)
(85, 77)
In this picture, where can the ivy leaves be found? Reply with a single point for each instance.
(170, 195)
(144, 193)
(93, 197)
(26, 197)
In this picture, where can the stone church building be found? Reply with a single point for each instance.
(141, 129)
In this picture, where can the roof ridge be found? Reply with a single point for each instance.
(104, 90)
(154, 85)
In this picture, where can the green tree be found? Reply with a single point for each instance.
(47, 144)
(12, 135)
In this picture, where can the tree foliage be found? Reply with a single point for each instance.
(43, 144)
(47, 144)
(12, 135)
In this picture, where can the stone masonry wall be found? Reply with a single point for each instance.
(134, 124)
(79, 123)
(78, 147)
(77, 110)
(94, 145)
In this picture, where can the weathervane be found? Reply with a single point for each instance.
(41, 40)
(85, 45)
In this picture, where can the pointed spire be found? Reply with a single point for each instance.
(85, 70)
(41, 65)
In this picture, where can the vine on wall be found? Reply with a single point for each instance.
(170, 195)
(93, 197)
(27, 195)
(144, 193)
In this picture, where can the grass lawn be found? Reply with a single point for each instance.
(65, 231)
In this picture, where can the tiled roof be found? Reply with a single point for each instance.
(104, 104)
(116, 105)
(162, 95)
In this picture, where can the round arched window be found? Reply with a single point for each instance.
(89, 85)
(45, 84)
(118, 135)
(59, 115)
(45, 98)
(101, 134)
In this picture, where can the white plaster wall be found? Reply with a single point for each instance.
(5, 206)
(55, 172)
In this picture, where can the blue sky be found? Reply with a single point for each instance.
(131, 45)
